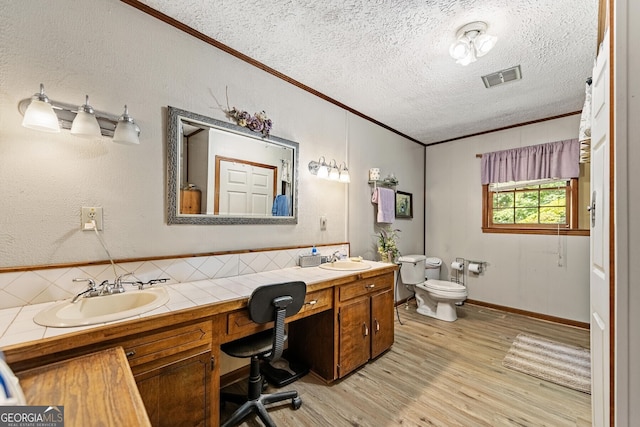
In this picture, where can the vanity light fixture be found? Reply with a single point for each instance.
(330, 171)
(472, 42)
(46, 115)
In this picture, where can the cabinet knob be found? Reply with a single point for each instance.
(371, 286)
(366, 329)
(130, 353)
(312, 302)
(377, 325)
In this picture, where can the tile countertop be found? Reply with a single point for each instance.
(17, 325)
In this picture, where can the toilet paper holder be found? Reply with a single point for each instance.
(458, 267)
(476, 267)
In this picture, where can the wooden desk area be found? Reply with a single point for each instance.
(173, 357)
(81, 385)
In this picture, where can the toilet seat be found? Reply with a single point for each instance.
(444, 289)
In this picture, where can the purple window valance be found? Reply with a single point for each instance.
(550, 160)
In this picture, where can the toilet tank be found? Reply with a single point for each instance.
(412, 269)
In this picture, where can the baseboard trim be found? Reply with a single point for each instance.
(533, 314)
(234, 376)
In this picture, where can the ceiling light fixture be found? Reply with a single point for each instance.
(472, 43)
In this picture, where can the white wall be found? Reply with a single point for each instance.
(392, 154)
(522, 271)
(119, 55)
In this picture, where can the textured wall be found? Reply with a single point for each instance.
(522, 270)
(120, 55)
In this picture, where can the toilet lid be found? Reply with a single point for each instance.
(433, 262)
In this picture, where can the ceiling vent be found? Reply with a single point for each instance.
(502, 77)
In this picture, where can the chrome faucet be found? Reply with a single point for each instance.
(335, 256)
(118, 288)
(108, 288)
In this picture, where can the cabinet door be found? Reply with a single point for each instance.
(382, 326)
(178, 394)
(355, 335)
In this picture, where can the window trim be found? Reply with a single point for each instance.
(571, 230)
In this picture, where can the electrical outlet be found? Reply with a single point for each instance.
(89, 214)
(323, 223)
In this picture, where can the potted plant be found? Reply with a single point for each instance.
(387, 246)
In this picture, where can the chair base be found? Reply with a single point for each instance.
(254, 401)
(257, 406)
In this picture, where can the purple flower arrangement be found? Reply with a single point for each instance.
(259, 122)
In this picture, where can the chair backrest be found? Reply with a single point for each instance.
(274, 303)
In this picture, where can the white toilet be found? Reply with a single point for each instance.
(436, 298)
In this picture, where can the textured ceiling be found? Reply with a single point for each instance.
(389, 59)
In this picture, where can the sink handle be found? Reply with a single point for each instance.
(92, 283)
(151, 282)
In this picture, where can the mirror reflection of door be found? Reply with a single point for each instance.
(244, 188)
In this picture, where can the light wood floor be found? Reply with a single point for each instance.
(443, 374)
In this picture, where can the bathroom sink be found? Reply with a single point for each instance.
(101, 309)
(346, 266)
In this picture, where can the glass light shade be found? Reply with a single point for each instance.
(344, 176)
(40, 116)
(126, 130)
(467, 59)
(460, 49)
(484, 43)
(126, 133)
(85, 125)
(334, 174)
(323, 171)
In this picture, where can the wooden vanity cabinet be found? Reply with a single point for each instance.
(364, 321)
(175, 371)
(359, 328)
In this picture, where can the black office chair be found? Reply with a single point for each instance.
(267, 303)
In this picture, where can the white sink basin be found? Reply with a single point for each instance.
(346, 265)
(107, 308)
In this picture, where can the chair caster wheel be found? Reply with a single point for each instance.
(296, 403)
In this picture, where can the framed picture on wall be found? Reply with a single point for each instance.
(404, 205)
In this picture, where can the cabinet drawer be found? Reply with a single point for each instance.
(239, 322)
(315, 302)
(364, 287)
(157, 346)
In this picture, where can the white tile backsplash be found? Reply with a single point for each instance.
(52, 284)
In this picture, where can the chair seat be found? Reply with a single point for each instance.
(257, 344)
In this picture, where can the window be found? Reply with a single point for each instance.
(534, 207)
